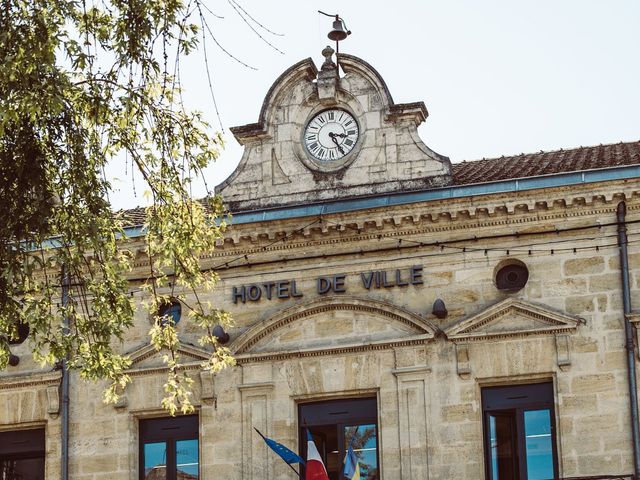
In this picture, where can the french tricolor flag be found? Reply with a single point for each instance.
(314, 468)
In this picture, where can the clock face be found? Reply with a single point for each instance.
(331, 135)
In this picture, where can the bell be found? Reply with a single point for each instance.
(338, 33)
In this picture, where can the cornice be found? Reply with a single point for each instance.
(30, 380)
(442, 216)
(421, 225)
(332, 351)
(141, 371)
(424, 218)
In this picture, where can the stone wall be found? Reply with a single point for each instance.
(385, 342)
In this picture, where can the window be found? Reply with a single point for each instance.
(511, 275)
(22, 455)
(519, 428)
(172, 311)
(334, 425)
(169, 448)
(21, 334)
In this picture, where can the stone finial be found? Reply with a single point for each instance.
(327, 77)
(327, 53)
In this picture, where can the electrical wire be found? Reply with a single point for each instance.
(446, 248)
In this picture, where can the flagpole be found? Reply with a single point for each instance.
(265, 439)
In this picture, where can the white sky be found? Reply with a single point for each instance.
(499, 77)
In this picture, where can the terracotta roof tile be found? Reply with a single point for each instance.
(518, 166)
(545, 163)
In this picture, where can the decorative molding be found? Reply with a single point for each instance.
(263, 386)
(411, 370)
(304, 69)
(141, 353)
(256, 404)
(463, 363)
(53, 400)
(456, 213)
(563, 350)
(30, 380)
(413, 419)
(135, 372)
(207, 385)
(328, 351)
(424, 331)
(471, 329)
(122, 402)
(326, 304)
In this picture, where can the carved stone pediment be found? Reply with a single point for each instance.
(146, 357)
(329, 326)
(512, 318)
(388, 155)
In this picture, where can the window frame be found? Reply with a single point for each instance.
(169, 430)
(368, 414)
(34, 441)
(515, 400)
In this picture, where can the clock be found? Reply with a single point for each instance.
(331, 134)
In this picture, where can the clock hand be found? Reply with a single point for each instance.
(333, 137)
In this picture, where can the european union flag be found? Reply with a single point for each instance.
(351, 469)
(287, 455)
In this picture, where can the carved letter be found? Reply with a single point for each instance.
(268, 289)
(367, 279)
(324, 285)
(282, 288)
(241, 294)
(294, 289)
(399, 281)
(416, 275)
(254, 293)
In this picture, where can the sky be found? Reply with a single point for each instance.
(498, 77)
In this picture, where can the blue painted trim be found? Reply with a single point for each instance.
(502, 186)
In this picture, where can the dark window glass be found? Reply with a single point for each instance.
(22, 455)
(337, 424)
(169, 448)
(519, 430)
(512, 277)
(22, 332)
(171, 311)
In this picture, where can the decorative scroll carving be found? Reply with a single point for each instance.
(462, 360)
(207, 386)
(53, 400)
(563, 350)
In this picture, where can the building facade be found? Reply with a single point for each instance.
(446, 321)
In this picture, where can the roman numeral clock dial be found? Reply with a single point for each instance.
(331, 135)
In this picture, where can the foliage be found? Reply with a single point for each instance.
(84, 82)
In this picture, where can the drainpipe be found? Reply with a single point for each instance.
(66, 281)
(630, 347)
